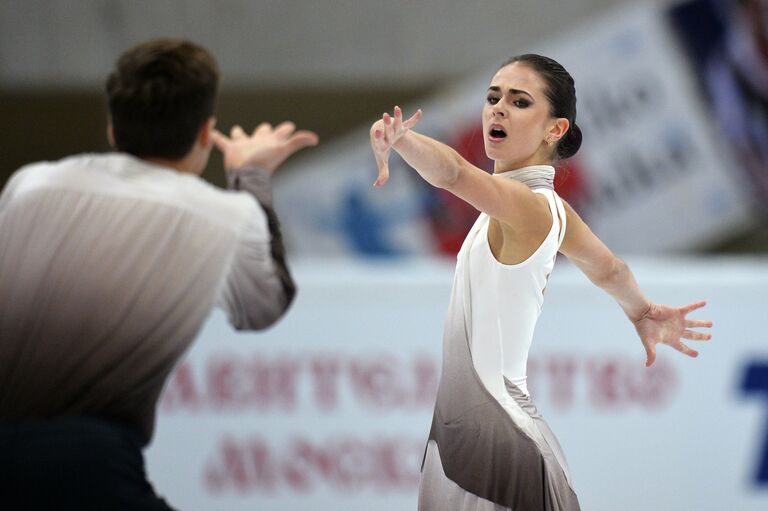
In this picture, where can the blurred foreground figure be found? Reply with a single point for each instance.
(489, 449)
(110, 263)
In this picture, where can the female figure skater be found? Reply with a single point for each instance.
(488, 448)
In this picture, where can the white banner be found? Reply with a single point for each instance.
(330, 410)
(652, 175)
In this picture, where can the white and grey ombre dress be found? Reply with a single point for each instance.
(489, 449)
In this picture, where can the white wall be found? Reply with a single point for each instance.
(73, 42)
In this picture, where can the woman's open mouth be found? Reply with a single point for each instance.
(496, 133)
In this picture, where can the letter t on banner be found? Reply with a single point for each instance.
(756, 381)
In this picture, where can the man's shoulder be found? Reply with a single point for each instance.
(125, 177)
(43, 165)
(72, 164)
(145, 181)
(42, 173)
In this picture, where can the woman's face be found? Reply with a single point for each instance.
(516, 119)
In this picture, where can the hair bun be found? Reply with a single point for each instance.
(570, 143)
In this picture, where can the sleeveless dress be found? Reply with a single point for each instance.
(489, 448)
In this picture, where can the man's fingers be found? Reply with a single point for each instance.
(262, 128)
(302, 139)
(219, 140)
(696, 336)
(285, 128)
(237, 132)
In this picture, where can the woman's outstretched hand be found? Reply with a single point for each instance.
(384, 133)
(667, 325)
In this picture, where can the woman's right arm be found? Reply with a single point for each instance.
(507, 200)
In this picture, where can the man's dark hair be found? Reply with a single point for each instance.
(159, 96)
(561, 94)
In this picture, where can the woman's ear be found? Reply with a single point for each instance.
(558, 130)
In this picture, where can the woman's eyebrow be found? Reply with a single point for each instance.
(496, 88)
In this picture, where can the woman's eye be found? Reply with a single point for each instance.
(521, 103)
(492, 100)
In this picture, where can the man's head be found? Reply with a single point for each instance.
(160, 98)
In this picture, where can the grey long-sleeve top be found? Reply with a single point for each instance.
(109, 266)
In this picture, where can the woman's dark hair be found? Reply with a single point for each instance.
(159, 95)
(561, 94)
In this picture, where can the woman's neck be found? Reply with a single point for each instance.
(499, 168)
(533, 176)
(505, 166)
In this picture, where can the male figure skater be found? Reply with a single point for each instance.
(109, 264)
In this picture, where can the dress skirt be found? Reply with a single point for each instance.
(486, 452)
(530, 475)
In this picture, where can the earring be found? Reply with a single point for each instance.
(550, 141)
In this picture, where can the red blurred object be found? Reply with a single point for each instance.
(570, 181)
(451, 217)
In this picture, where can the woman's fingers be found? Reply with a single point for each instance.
(682, 348)
(696, 336)
(411, 122)
(395, 125)
(650, 354)
(383, 135)
(381, 153)
(382, 163)
(380, 140)
(697, 323)
(692, 307)
(383, 176)
(397, 121)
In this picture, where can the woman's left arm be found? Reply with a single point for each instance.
(654, 323)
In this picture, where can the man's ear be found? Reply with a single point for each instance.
(110, 135)
(204, 135)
